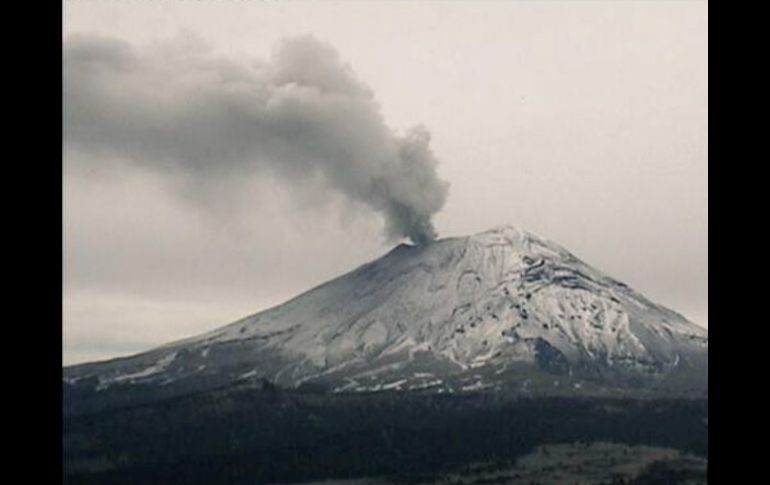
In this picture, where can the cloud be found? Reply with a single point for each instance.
(302, 115)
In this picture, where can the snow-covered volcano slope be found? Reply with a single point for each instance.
(500, 310)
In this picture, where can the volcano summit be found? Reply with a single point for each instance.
(500, 311)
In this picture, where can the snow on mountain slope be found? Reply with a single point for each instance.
(498, 310)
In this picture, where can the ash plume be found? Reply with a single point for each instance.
(301, 114)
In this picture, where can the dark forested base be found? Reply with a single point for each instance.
(259, 436)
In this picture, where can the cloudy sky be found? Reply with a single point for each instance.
(221, 157)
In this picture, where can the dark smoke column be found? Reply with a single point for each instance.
(178, 108)
(413, 193)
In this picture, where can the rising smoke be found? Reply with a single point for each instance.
(301, 114)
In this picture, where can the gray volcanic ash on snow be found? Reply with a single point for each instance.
(213, 121)
(503, 310)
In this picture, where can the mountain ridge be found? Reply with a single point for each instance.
(501, 310)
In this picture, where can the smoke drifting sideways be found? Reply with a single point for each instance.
(178, 107)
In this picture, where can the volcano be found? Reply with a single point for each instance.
(502, 311)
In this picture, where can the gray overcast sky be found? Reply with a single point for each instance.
(585, 122)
